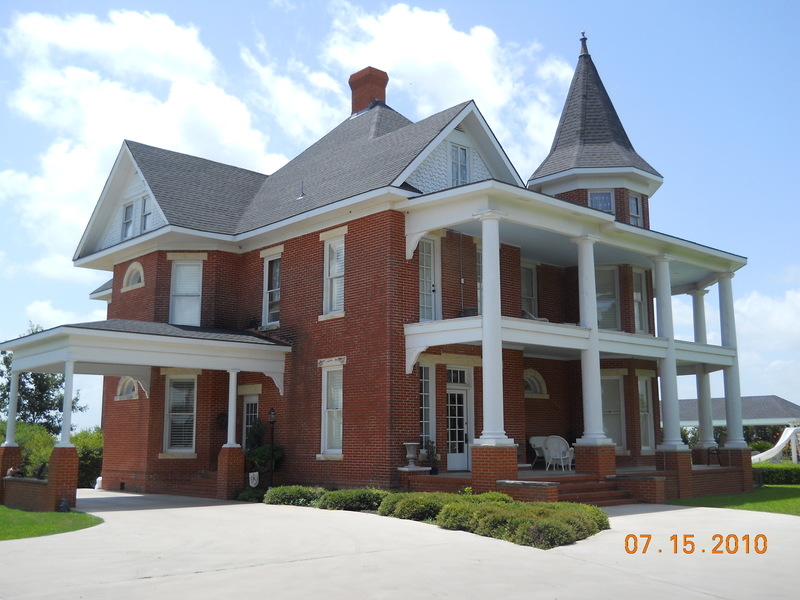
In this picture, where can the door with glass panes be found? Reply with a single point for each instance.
(459, 418)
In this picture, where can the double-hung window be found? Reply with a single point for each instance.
(127, 221)
(180, 421)
(640, 301)
(529, 296)
(602, 200)
(635, 203)
(332, 397)
(187, 287)
(607, 297)
(613, 409)
(146, 211)
(272, 290)
(334, 275)
(459, 167)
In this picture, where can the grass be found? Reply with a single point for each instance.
(17, 524)
(784, 499)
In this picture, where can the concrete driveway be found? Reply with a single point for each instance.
(174, 547)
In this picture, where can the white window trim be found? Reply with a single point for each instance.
(172, 294)
(535, 375)
(121, 387)
(269, 256)
(615, 270)
(645, 302)
(467, 160)
(324, 450)
(613, 210)
(133, 268)
(620, 444)
(436, 241)
(431, 403)
(648, 385)
(637, 217)
(146, 213)
(168, 451)
(527, 264)
(128, 221)
(329, 311)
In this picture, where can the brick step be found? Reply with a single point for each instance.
(587, 496)
(576, 488)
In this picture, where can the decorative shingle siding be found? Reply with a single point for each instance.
(434, 174)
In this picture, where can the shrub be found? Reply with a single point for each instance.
(778, 473)
(293, 495)
(251, 495)
(389, 503)
(760, 446)
(421, 506)
(361, 499)
(89, 446)
(459, 516)
(544, 534)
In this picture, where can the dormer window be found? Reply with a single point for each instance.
(602, 200)
(145, 221)
(636, 210)
(127, 221)
(459, 165)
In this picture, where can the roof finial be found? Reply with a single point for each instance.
(584, 49)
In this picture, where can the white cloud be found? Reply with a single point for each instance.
(58, 267)
(42, 312)
(444, 66)
(769, 323)
(95, 82)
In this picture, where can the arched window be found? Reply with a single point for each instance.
(535, 387)
(128, 389)
(134, 277)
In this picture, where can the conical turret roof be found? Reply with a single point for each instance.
(590, 134)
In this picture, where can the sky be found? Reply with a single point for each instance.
(707, 92)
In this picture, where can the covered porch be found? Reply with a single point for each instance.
(141, 354)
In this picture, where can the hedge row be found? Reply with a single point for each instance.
(540, 524)
(778, 473)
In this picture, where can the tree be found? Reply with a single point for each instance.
(89, 445)
(41, 395)
(35, 444)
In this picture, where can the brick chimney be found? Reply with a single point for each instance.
(367, 85)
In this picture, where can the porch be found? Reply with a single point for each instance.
(629, 485)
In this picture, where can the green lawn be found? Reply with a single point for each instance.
(16, 524)
(769, 498)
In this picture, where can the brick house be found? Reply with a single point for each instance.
(396, 282)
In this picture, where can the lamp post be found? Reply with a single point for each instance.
(271, 419)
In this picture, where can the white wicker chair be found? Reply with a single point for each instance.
(537, 443)
(557, 451)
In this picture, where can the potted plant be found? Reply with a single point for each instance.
(432, 457)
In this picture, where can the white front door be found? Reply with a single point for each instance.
(459, 419)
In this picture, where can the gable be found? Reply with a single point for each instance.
(432, 171)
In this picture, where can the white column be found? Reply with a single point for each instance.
(667, 366)
(232, 389)
(705, 430)
(493, 433)
(13, 399)
(66, 410)
(730, 375)
(593, 432)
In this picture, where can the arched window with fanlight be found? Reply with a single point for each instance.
(134, 277)
(535, 386)
(127, 389)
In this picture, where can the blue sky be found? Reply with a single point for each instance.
(707, 92)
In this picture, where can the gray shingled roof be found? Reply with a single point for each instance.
(753, 407)
(367, 151)
(194, 192)
(589, 134)
(179, 331)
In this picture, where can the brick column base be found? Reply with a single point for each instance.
(680, 463)
(740, 458)
(230, 473)
(491, 463)
(10, 456)
(62, 477)
(596, 460)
